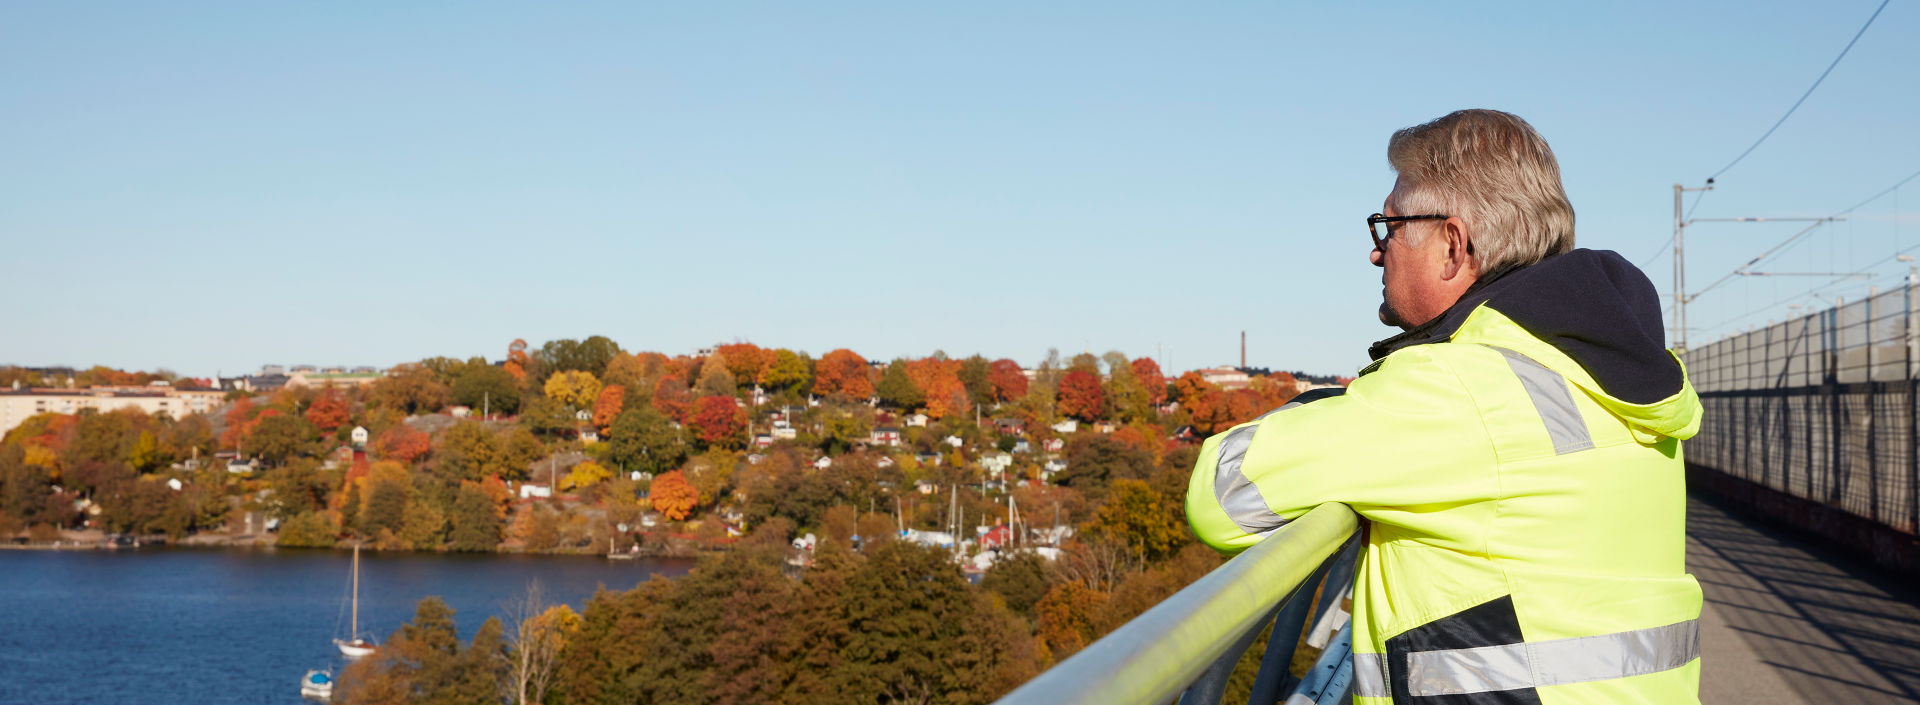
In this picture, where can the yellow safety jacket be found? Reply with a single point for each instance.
(1526, 526)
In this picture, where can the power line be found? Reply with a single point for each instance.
(1803, 96)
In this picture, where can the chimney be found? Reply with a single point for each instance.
(1243, 348)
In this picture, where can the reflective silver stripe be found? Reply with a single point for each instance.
(1370, 676)
(1555, 404)
(1557, 662)
(1238, 496)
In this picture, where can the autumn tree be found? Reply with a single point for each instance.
(747, 362)
(671, 397)
(1080, 395)
(612, 400)
(517, 360)
(402, 444)
(591, 355)
(329, 411)
(715, 380)
(574, 388)
(1137, 517)
(789, 371)
(673, 496)
(277, 437)
(541, 632)
(1148, 372)
(411, 388)
(1009, 382)
(719, 422)
(843, 372)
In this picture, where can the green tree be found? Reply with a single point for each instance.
(645, 441)
(591, 355)
(279, 437)
(1020, 579)
(548, 416)
(976, 373)
(897, 390)
(307, 530)
(475, 525)
(487, 387)
(790, 372)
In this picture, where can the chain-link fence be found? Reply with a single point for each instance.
(1820, 407)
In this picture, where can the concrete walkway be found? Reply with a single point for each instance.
(1785, 622)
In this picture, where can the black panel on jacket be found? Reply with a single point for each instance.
(1591, 304)
(1492, 623)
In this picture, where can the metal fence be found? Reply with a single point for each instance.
(1820, 407)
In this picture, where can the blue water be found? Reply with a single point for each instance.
(241, 626)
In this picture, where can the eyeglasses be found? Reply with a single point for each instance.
(1381, 226)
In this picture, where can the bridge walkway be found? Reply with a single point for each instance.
(1787, 621)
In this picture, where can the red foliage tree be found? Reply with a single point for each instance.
(672, 496)
(1009, 383)
(613, 398)
(843, 372)
(329, 411)
(1080, 395)
(718, 421)
(670, 397)
(237, 418)
(1148, 372)
(402, 443)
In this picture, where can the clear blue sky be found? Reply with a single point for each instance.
(205, 187)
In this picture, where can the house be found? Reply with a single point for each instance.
(1010, 427)
(1052, 445)
(238, 466)
(759, 395)
(784, 433)
(590, 435)
(933, 459)
(1052, 466)
(762, 440)
(1186, 434)
(917, 420)
(1022, 447)
(997, 463)
(755, 458)
(823, 463)
(1066, 426)
(954, 441)
(1104, 427)
(925, 487)
(1227, 378)
(529, 491)
(461, 412)
(885, 461)
(887, 436)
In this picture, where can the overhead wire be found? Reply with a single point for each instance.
(1803, 96)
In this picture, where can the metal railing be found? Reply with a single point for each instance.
(1820, 407)
(1188, 644)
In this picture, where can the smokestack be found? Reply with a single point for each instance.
(1243, 348)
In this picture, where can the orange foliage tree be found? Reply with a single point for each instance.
(1148, 372)
(844, 372)
(939, 381)
(402, 443)
(718, 421)
(672, 496)
(1080, 395)
(1009, 383)
(329, 411)
(746, 362)
(670, 397)
(237, 419)
(613, 398)
(517, 360)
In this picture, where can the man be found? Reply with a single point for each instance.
(1515, 451)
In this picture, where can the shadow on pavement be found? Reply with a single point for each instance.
(1834, 629)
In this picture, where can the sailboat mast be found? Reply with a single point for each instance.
(355, 623)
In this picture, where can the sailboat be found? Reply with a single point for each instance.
(355, 647)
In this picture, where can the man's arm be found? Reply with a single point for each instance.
(1402, 439)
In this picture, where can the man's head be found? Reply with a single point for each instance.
(1497, 183)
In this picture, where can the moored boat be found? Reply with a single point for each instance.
(317, 685)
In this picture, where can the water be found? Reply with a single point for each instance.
(241, 626)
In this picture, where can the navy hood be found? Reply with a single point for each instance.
(1593, 305)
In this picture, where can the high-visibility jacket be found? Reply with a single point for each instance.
(1525, 535)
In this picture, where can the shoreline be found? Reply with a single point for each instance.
(660, 546)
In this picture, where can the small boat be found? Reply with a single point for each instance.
(317, 685)
(354, 646)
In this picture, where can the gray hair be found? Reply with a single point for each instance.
(1493, 171)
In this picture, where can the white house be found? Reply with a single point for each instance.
(917, 420)
(997, 463)
(1066, 426)
(530, 490)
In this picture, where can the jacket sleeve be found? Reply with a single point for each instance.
(1404, 440)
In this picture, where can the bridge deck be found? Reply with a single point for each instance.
(1786, 621)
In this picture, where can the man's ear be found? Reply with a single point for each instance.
(1460, 259)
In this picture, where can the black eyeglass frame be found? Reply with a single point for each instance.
(1380, 226)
